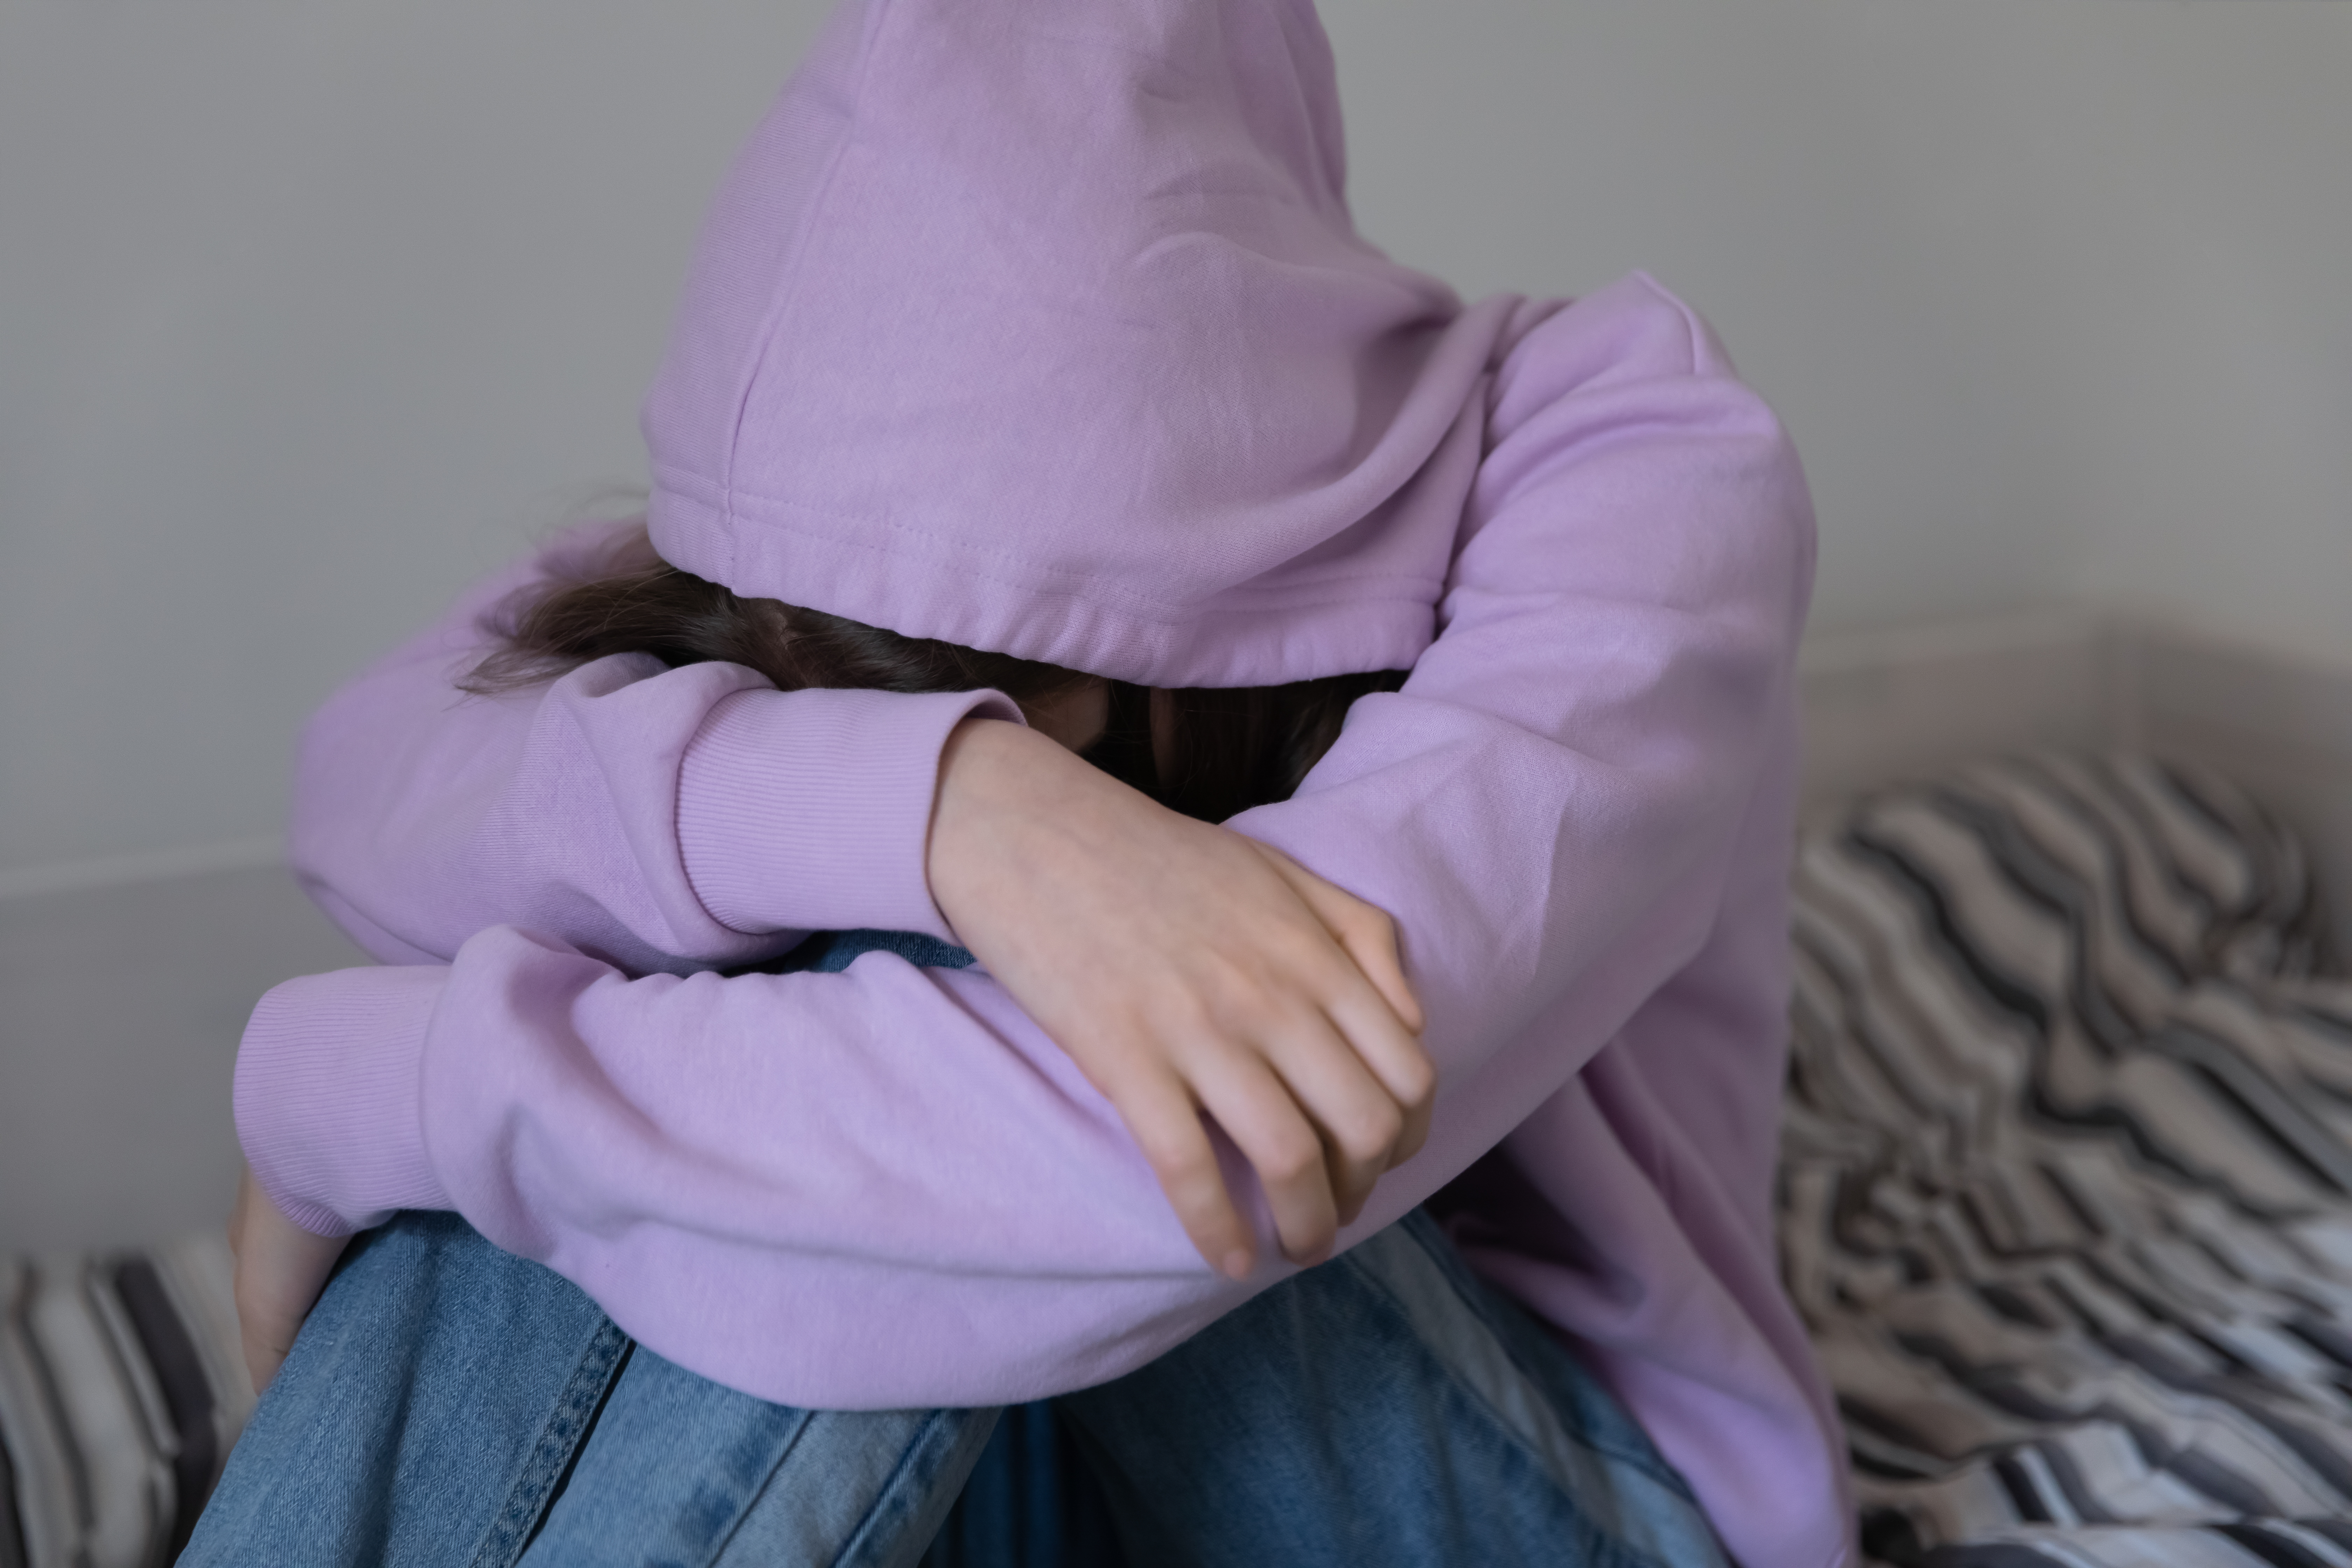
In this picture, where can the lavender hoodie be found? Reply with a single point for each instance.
(1040, 325)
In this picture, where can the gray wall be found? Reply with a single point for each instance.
(308, 312)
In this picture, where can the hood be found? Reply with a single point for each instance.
(1041, 326)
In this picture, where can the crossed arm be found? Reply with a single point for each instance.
(1183, 968)
(901, 1162)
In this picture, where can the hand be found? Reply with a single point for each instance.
(1186, 968)
(281, 1269)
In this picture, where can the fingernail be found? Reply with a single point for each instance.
(1237, 1264)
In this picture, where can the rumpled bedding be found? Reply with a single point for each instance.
(122, 1391)
(2066, 1192)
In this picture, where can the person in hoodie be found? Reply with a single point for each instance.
(1040, 330)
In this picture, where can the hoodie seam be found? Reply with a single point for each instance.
(1158, 610)
(1084, 587)
(680, 482)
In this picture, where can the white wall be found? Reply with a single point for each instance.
(2056, 294)
(310, 311)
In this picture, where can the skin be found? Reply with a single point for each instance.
(1189, 971)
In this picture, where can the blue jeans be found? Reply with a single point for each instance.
(450, 1404)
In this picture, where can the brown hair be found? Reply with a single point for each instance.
(1230, 748)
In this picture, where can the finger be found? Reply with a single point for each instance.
(1416, 1131)
(1258, 1112)
(1367, 1014)
(1394, 1058)
(1165, 1124)
(1366, 935)
(1357, 1119)
(263, 1357)
(1363, 931)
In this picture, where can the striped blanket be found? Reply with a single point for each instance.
(120, 1390)
(2066, 1191)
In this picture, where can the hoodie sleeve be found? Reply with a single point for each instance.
(885, 1187)
(660, 818)
(1550, 805)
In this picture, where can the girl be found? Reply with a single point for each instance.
(1040, 329)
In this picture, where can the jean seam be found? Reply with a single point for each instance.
(1489, 1305)
(1650, 1464)
(1599, 1548)
(566, 1427)
(751, 1504)
(855, 1546)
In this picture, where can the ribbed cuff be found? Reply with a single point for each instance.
(327, 1097)
(811, 810)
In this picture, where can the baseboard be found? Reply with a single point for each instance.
(1899, 702)
(2278, 724)
(151, 866)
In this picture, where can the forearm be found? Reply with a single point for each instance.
(711, 1158)
(665, 818)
